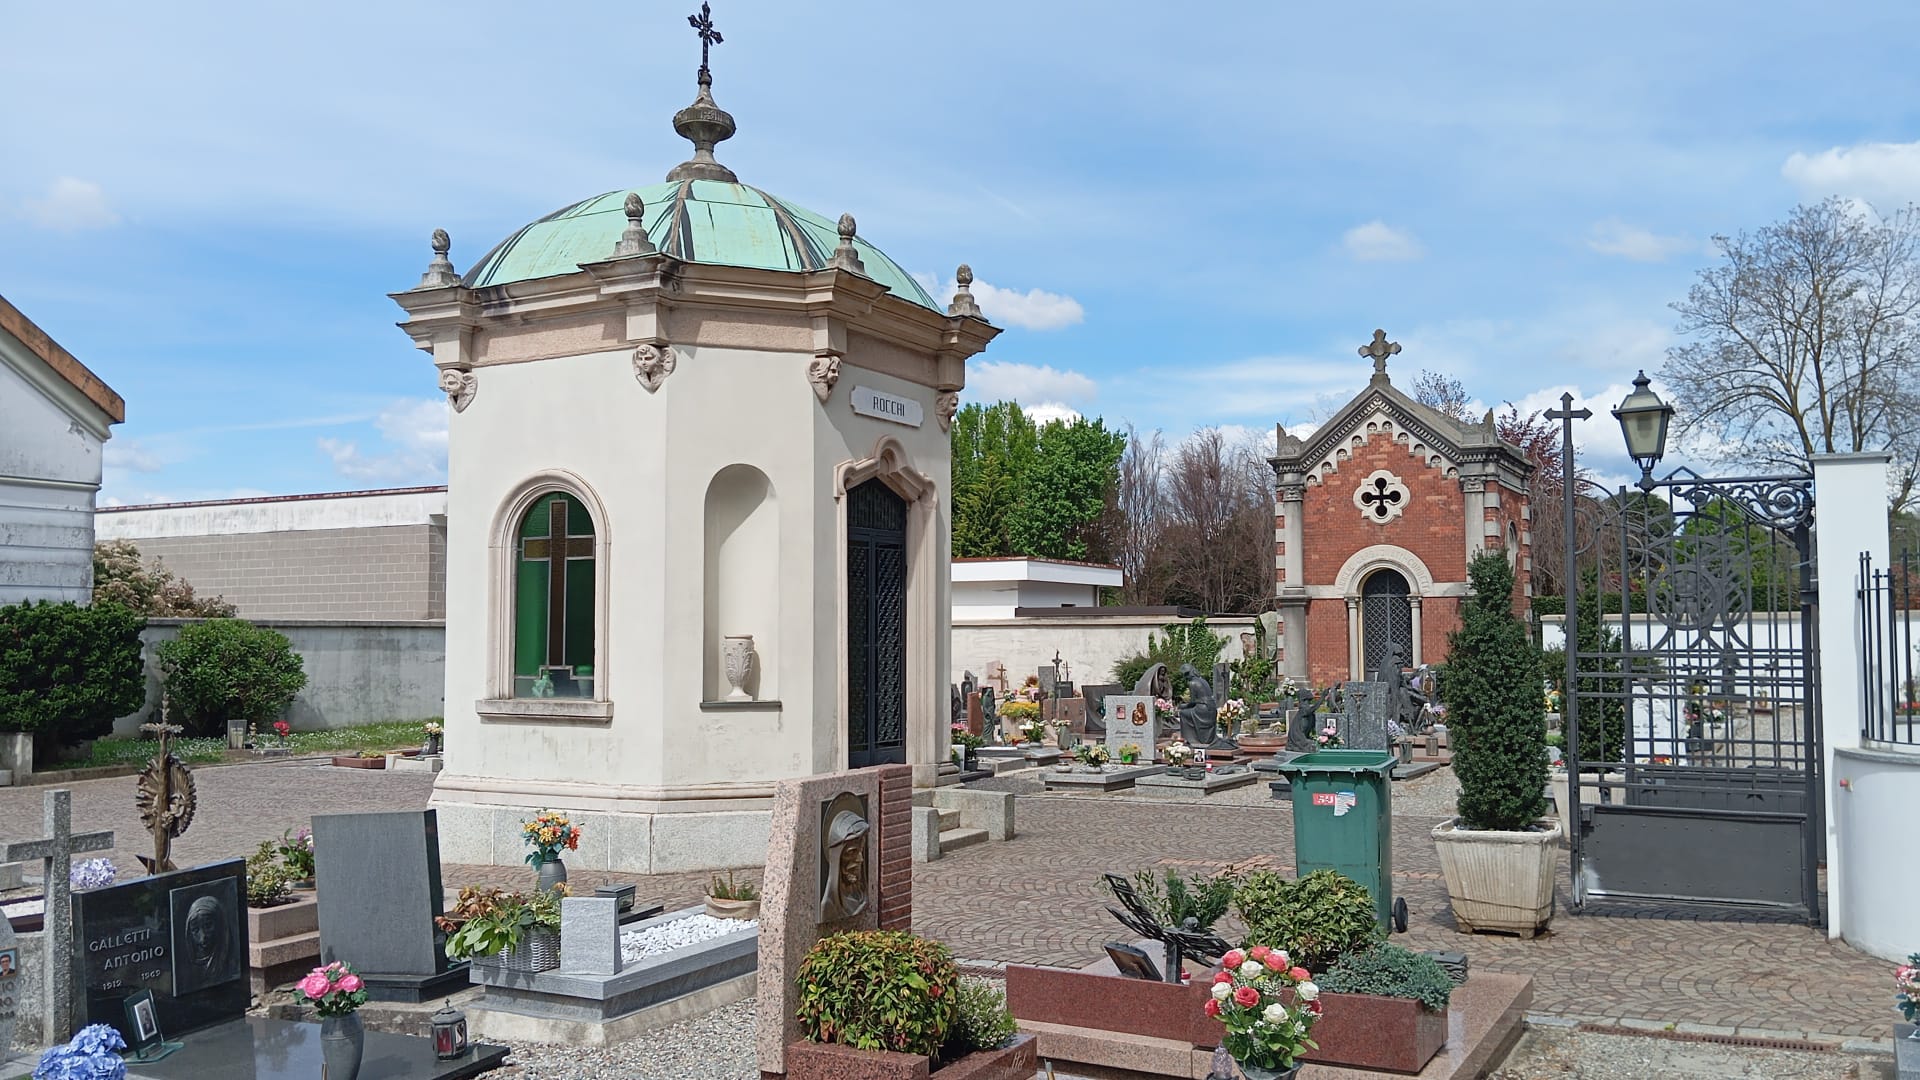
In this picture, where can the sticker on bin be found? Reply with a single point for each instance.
(1341, 801)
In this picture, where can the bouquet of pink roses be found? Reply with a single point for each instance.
(1268, 1005)
(334, 990)
(1906, 978)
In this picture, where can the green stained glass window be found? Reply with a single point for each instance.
(553, 599)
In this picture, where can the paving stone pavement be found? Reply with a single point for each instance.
(1035, 899)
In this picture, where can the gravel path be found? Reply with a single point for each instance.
(710, 1047)
(1559, 1053)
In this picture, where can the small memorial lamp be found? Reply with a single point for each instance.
(1643, 420)
(449, 1032)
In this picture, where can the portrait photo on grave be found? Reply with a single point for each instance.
(9, 963)
(844, 832)
(203, 935)
(143, 1020)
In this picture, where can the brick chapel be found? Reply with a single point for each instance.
(1377, 514)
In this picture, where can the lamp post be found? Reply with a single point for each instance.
(1643, 420)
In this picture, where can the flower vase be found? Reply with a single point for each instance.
(1256, 1072)
(342, 1042)
(736, 654)
(551, 872)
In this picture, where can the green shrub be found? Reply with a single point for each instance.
(1317, 919)
(1173, 899)
(119, 576)
(879, 990)
(981, 1020)
(1496, 715)
(228, 669)
(66, 672)
(1391, 971)
(268, 879)
(1177, 644)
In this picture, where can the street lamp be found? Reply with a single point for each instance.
(1643, 420)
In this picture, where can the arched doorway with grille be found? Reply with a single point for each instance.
(1386, 620)
(876, 626)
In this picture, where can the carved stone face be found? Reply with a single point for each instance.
(206, 934)
(844, 836)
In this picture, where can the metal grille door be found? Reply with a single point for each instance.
(1386, 619)
(876, 626)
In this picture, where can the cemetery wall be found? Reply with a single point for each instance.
(1090, 644)
(357, 672)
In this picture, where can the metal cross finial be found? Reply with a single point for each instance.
(709, 37)
(1380, 348)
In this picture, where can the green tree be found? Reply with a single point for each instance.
(1495, 712)
(1065, 490)
(120, 576)
(228, 669)
(1601, 685)
(1724, 541)
(993, 448)
(66, 672)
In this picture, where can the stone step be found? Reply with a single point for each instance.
(955, 839)
(949, 820)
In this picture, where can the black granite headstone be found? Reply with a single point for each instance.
(182, 935)
(1095, 695)
(378, 879)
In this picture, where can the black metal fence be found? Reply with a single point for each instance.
(1891, 712)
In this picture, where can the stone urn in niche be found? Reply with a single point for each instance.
(736, 656)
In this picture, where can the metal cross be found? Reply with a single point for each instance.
(56, 853)
(709, 37)
(1380, 348)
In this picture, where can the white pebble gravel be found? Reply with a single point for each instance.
(717, 1046)
(637, 945)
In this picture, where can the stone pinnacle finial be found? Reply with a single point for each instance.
(703, 123)
(963, 294)
(846, 257)
(1379, 349)
(440, 272)
(634, 240)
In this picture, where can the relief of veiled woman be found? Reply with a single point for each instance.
(845, 892)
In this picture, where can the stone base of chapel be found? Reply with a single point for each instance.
(639, 842)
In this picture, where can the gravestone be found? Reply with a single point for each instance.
(1222, 681)
(969, 685)
(1071, 714)
(1131, 721)
(997, 677)
(976, 720)
(1094, 695)
(12, 984)
(55, 852)
(1364, 726)
(378, 881)
(1049, 679)
(181, 935)
(589, 936)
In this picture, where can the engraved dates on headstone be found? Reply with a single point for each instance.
(182, 935)
(1130, 722)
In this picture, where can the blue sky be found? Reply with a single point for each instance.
(1183, 214)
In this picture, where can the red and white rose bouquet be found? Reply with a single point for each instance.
(1268, 1006)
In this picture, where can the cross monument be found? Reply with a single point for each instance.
(709, 37)
(56, 852)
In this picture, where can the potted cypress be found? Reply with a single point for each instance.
(1499, 855)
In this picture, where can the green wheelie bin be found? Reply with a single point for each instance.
(1343, 821)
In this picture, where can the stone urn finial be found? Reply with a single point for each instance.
(440, 272)
(963, 303)
(846, 256)
(634, 240)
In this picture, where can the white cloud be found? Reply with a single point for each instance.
(1377, 241)
(1616, 237)
(131, 455)
(1035, 309)
(994, 380)
(1047, 412)
(1886, 174)
(71, 205)
(415, 430)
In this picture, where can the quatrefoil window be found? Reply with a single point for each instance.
(1381, 497)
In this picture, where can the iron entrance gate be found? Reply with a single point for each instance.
(876, 626)
(1693, 720)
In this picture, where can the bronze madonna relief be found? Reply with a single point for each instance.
(844, 830)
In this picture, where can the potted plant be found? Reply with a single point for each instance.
(509, 931)
(296, 853)
(1174, 898)
(1180, 756)
(1093, 756)
(548, 834)
(267, 878)
(1328, 738)
(433, 732)
(965, 747)
(92, 874)
(884, 1004)
(1317, 918)
(89, 1055)
(337, 993)
(1906, 979)
(1269, 1006)
(1129, 753)
(1234, 716)
(1024, 719)
(1386, 1010)
(1499, 855)
(732, 900)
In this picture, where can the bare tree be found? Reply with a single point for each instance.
(1805, 339)
(1219, 536)
(1138, 516)
(1443, 394)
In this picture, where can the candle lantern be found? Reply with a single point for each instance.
(449, 1033)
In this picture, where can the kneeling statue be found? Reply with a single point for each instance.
(1200, 716)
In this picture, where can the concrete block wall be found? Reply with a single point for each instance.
(365, 573)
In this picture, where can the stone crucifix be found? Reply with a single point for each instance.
(56, 852)
(1379, 349)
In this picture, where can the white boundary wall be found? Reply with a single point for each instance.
(1088, 644)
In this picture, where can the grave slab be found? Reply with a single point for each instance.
(259, 1048)
(1112, 778)
(1168, 786)
(182, 935)
(590, 936)
(378, 878)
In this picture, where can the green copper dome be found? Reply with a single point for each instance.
(702, 221)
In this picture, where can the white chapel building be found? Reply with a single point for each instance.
(55, 419)
(687, 414)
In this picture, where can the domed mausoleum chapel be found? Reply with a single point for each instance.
(697, 534)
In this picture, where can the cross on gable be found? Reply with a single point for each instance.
(1379, 349)
(1380, 498)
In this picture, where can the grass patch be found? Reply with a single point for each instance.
(138, 750)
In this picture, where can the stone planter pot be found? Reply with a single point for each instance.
(733, 909)
(736, 659)
(1017, 1060)
(1263, 745)
(1388, 1034)
(283, 942)
(1500, 880)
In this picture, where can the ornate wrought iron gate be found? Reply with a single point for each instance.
(1386, 620)
(876, 626)
(1693, 709)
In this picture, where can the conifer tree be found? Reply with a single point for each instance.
(1496, 712)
